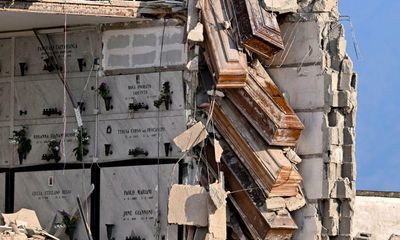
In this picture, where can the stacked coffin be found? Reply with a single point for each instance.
(257, 126)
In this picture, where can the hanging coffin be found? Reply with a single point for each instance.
(258, 29)
(224, 59)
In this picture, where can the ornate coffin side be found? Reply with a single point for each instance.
(264, 106)
(269, 166)
(227, 63)
(258, 29)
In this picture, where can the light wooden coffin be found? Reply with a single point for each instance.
(225, 61)
(267, 164)
(249, 204)
(264, 106)
(258, 29)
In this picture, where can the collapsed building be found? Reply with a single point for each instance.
(178, 119)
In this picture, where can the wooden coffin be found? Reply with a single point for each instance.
(264, 106)
(258, 29)
(267, 164)
(225, 61)
(249, 204)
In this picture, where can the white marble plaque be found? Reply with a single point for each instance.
(5, 147)
(5, 57)
(32, 97)
(141, 90)
(79, 45)
(5, 91)
(40, 135)
(133, 198)
(2, 192)
(143, 47)
(48, 192)
(141, 137)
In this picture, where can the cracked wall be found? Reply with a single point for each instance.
(316, 75)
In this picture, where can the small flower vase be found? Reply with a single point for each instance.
(107, 102)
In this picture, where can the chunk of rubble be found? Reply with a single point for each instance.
(281, 6)
(191, 137)
(196, 34)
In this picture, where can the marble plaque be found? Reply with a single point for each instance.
(140, 137)
(140, 91)
(133, 198)
(5, 57)
(40, 135)
(6, 147)
(32, 97)
(2, 192)
(5, 91)
(48, 192)
(80, 45)
(143, 47)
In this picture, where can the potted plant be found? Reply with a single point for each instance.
(23, 143)
(53, 148)
(83, 141)
(104, 92)
(70, 223)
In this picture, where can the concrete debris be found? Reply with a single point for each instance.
(394, 237)
(23, 225)
(193, 65)
(217, 151)
(365, 236)
(216, 93)
(187, 205)
(295, 203)
(196, 34)
(217, 223)
(218, 194)
(275, 203)
(292, 156)
(191, 137)
(283, 6)
(200, 234)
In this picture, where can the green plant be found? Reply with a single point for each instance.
(103, 90)
(83, 141)
(70, 223)
(24, 145)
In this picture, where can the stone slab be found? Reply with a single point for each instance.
(34, 96)
(5, 147)
(311, 139)
(312, 171)
(84, 45)
(142, 89)
(304, 88)
(143, 47)
(141, 133)
(5, 57)
(5, 99)
(131, 198)
(47, 192)
(40, 135)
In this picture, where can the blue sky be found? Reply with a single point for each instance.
(377, 29)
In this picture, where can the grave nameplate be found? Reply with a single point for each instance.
(143, 47)
(40, 135)
(132, 199)
(48, 192)
(138, 93)
(79, 45)
(139, 137)
(34, 97)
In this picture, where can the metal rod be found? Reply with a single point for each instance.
(89, 234)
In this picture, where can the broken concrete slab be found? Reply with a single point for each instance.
(196, 34)
(217, 222)
(188, 205)
(295, 203)
(191, 137)
(283, 6)
(275, 203)
(217, 194)
(26, 215)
